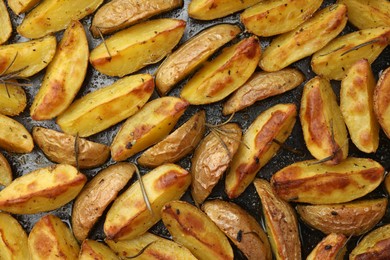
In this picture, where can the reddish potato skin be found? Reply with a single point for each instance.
(332, 247)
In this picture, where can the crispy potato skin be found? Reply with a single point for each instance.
(22, 6)
(93, 250)
(331, 247)
(319, 183)
(6, 26)
(387, 184)
(376, 245)
(381, 101)
(13, 100)
(5, 171)
(13, 239)
(240, 227)
(97, 195)
(211, 159)
(354, 218)
(14, 137)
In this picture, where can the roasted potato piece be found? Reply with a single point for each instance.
(192, 228)
(258, 146)
(211, 159)
(97, 195)
(223, 75)
(129, 217)
(356, 104)
(320, 183)
(131, 247)
(261, 86)
(42, 190)
(332, 247)
(178, 144)
(13, 99)
(50, 238)
(22, 6)
(27, 58)
(64, 75)
(136, 47)
(242, 229)
(192, 54)
(306, 39)
(13, 239)
(5, 171)
(269, 18)
(107, 106)
(381, 101)
(6, 26)
(14, 137)
(94, 250)
(55, 15)
(387, 183)
(334, 60)
(280, 221)
(147, 127)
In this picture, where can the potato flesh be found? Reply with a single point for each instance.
(381, 101)
(22, 6)
(6, 26)
(93, 250)
(387, 184)
(131, 247)
(13, 239)
(14, 137)
(375, 245)
(5, 171)
(13, 99)
(331, 247)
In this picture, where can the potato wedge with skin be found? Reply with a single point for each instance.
(52, 16)
(242, 229)
(387, 183)
(192, 54)
(281, 223)
(97, 195)
(323, 126)
(5, 171)
(306, 39)
(51, 238)
(381, 101)
(22, 6)
(332, 247)
(354, 218)
(106, 106)
(131, 247)
(14, 137)
(119, 14)
(261, 86)
(129, 217)
(334, 60)
(319, 183)
(178, 144)
(42, 190)
(258, 146)
(136, 47)
(6, 26)
(269, 18)
(13, 239)
(27, 58)
(93, 250)
(192, 228)
(13, 99)
(149, 126)
(223, 75)
(211, 159)
(64, 75)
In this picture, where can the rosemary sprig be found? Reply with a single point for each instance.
(360, 46)
(104, 42)
(143, 190)
(141, 251)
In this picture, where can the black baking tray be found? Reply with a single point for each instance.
(24, 163)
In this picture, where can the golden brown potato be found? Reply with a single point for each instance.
(13, 99)
(242, 229)
(192, 228)
(22, 6)
(258, 146)
(6, 26)
(13, 239)
(332, 247)
(281, 223)
(322, 123)
(97, 195)
(211, 159)
(320, 183)
(136, 47)
(14, 137)
(192, 54)
(42, 190)
(261, 86)
(381, 101)
(306, 39)
(178, 144)
(5, 171)
(354, 218)
(387, 183)
(107, 106)
(223, 75)
(93, 250)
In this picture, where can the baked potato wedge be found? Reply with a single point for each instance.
(106, 106)
(6, 26)
(178, 144)
(97, 195)
(223, 75)
(5, 171)
(13, 239)
(13, 99)
(136, 47)
(281, 223)
(320, 183)
(51, 238)
(334, 60)
(192, 228)
(240, 227)
(93, 250)
(269, 18)
(332, 247)
(381, 101)
(64, 75)
(306, 39)
(22, 6)
(129, 217)
(52, 16)
(14, 137)
(387, 183)
(261, 86)
(192, 54)
(149, 126)
(323, 126)
(258, 146)
(211, 159)
(42, 190)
